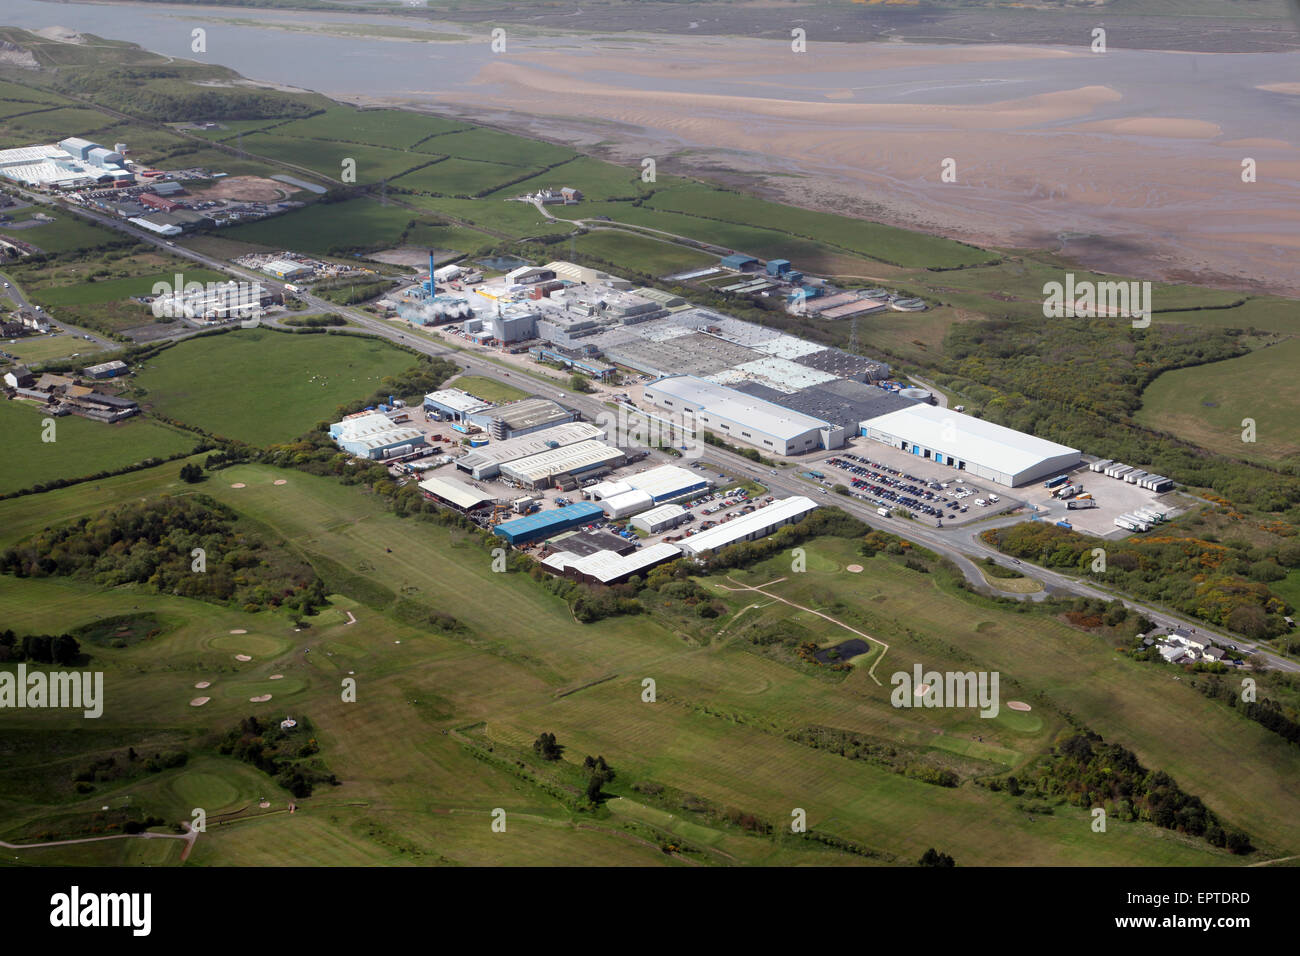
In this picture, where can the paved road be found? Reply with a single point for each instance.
(955, 543)
(20, 301)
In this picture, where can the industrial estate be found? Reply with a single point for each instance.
(429, 494)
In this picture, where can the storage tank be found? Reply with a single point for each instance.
(918, 394)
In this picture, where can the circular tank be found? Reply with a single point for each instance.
(919, 394)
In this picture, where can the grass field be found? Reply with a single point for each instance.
(719, 729)
(459, 177)
(42, 348)
(321, 227)
(388, 128)
(641, 253)
(493, 147)
(875, 241)
(49, 126)
(489, 389)
(1207, 404)
(66, 233)
(277, 387)
(373, 163)
(115, 290)
(81, 446)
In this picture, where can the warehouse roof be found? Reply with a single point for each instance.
(530, 525)
(737, 529)
(513, 449)
(563, 461)
(841, 402)
(735, 405)
(663, 513)
(455, 492)
(530, 412)
(608, 489)
(607, 566)
(457, 400)
(968, 438)
(667, 481)
(629, 502)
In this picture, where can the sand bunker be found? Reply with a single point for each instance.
(281, 481)
(264, 804)
(260, 699)
(199, 701)
(242, 657)
(854, 569)
(203, 684)
(239, 630)
(277, 677)
(239, 484)
(1018, 705)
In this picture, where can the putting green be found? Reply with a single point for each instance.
(207, 790)
(278, 688)
(256, 645)
(1018, 721)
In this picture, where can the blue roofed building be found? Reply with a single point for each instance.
(548, 523)
(739, 262)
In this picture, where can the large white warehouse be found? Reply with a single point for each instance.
(750, 527)
(965, 443)
(743, 418)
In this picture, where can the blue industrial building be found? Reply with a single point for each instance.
(778, 267)
(547, 523)
(739, 262)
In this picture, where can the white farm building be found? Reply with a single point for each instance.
(964, 443)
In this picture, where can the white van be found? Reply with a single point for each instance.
(883, 512)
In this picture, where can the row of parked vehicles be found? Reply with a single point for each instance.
(888, 486)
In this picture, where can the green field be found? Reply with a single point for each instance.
(373, 163)
(488, 389)
(66, 233)
(389, 128)
(42, 348)
(50, 126)
(719, 729)
(115, 290)
(885, 243)
(641, 253)
(321, 227)
(459, 177)
(277, 385)
(1208, 403)
(81, 446)
(493, 147)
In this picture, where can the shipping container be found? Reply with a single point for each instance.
(1101, 465)
(1058, 480)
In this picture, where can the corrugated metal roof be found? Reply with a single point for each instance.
(969, 439)
(747, 526)
(736, 406)
(606, 566)
(458, 493)
(560, 461)
(537, 525)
